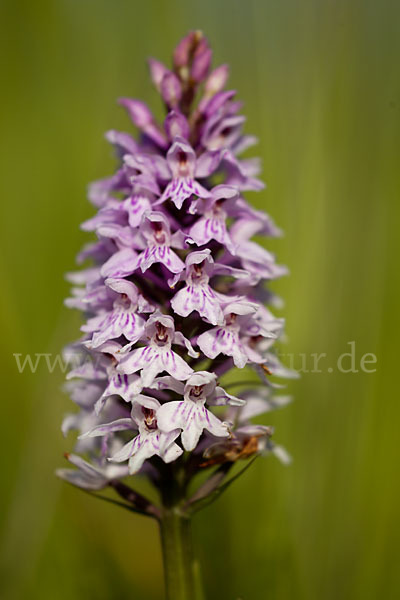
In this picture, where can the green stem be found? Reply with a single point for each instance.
(177, 551)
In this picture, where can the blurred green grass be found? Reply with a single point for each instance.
(320, 82)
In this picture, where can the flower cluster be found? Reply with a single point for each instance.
(174, 297)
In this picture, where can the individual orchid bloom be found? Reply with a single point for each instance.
(215, 394)
(212, 224)
(118, 384)
(226, 339)
(158, 356)
(190, 414)
(241, 173)
(149, 442)
(198, 295)
(222, 133)
(185, 168)
(156, 232)
(123, 319)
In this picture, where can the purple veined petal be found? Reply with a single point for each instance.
(163, 255)
(217, 340)
(107, 428)
(122, 322)
(176, 125)
(138, 359)
(212, 228)
(239, 356)
(221, 340)
(212, 423)
(152, 369)
(173, 415)
(148, 447)
(121, 264)
(136, 206)
(168, 258)
(208, 163)
(174, 365)
(171, 453)
(192, 431)
(119, 385)
(182, 188)
(201, 299)
(208, 342)
(180, 339)
(127, 450)
(123, 141)
(166, 439)
(144, 120)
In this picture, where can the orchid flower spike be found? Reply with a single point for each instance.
(173, 297)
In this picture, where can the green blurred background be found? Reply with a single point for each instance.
(320, 82)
